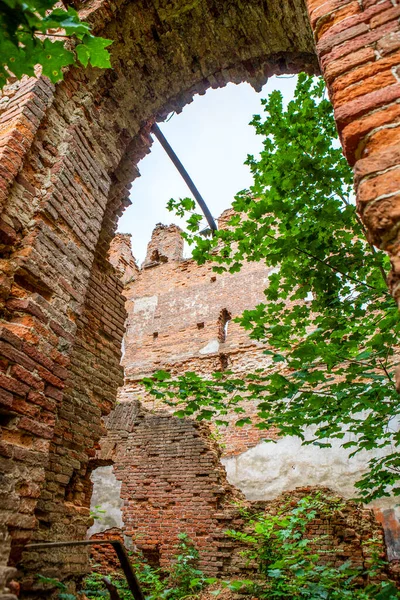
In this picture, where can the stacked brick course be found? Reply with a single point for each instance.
(358, 44)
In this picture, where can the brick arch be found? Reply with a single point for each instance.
(68, 156)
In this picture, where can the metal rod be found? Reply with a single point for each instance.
(40, 545)
(112, 590)
(185, 175)
(120, 550)
(131, 578)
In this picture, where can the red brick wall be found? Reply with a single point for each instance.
(103, 558)
(159, 458)
(75, 148)
(358, 45)
(174, 313)
(173, 482)
(344, 528)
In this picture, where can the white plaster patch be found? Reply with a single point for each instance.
(268, 469)
(210, 348)
(146, 304)
(106, 496)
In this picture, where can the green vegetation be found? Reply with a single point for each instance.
(290, 565)
(183, 579)
(35, 32)
(328, 322)
(287, 562)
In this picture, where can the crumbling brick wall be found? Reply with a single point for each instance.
(103, 556)
(173, 482)
(121, 258)
(69, 152)
(180, 318)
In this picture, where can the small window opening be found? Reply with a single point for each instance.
(213, 279)
(200, 325)
(152, 556)
(157, 257)
(155, 335)
(224, 361)
(223, 323)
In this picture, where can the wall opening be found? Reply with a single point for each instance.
(106, 502)
(223, 324)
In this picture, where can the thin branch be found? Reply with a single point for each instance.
(387, 373)
(324, 262)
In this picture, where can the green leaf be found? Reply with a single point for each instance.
(27, 39)
(93, 49)
(53, 57)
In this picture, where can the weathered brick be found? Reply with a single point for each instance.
(36, 428)
(389, 43)
(354, 133)
(364, 104)
(386, 159)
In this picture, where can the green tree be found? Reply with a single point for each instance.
(35, 32)
(328, 321)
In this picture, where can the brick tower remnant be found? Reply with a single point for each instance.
(120, 256)
(166, 245)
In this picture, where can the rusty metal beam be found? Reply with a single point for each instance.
(185, 176)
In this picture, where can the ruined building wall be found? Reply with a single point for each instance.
(172, 482)
(68, 155)
(180, 318)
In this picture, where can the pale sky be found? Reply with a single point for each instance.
(212, 138)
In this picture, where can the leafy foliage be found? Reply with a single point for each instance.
(290, 566)
(328, 322)
(182, 580)
(97, 512)
(51, 582)
(34, 32)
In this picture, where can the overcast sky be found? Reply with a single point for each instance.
(212, 138)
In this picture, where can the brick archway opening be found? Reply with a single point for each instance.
(68, 156)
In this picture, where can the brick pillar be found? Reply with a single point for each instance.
(358, 46)
(166, 245)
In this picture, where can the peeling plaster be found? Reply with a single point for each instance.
(210, 348)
